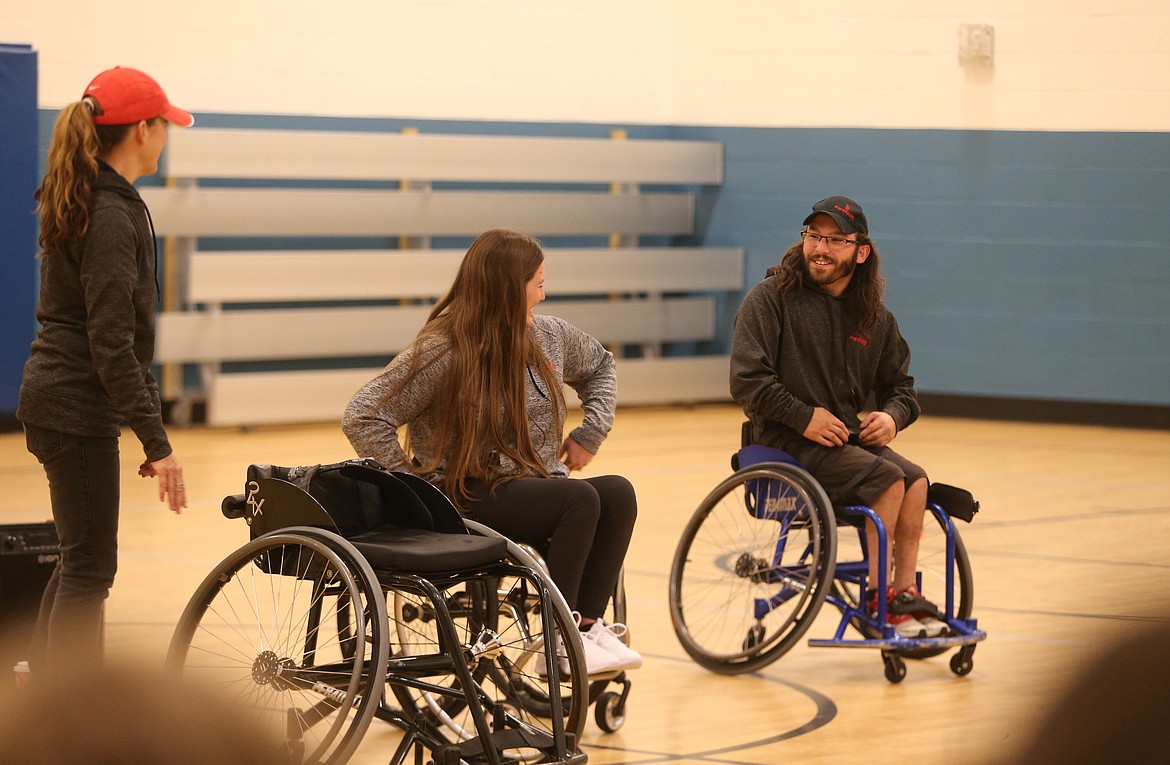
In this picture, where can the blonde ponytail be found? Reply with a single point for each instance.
(64, 194)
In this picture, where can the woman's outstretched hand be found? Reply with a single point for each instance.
(169, 473)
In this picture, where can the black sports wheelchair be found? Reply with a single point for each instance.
(762, 554)
(363, 593)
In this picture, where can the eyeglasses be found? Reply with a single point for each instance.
(836, 243)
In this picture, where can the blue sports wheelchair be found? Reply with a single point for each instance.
(364, 594)
(761, 555)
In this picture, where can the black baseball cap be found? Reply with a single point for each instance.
(847, 213)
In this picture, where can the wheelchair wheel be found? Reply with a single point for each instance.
(932, 566)
(512, 675)
(292, 626)
(753, 567)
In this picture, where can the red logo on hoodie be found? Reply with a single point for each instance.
(859, 339)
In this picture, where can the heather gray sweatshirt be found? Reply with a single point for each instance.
(88, 370)
(791, 353)
(375, 413)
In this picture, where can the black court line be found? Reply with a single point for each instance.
(989, 523)
(826, 712)
(971, 552)
(1076, 615)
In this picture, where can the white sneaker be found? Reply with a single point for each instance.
(597, 659)
(609, 638)
(562, 657)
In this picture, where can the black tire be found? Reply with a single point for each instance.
(726, 566)
(513, 684)
(276, 627)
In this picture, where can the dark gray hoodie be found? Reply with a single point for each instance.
(88, 370)
(793, 352)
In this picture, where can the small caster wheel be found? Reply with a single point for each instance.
(755, 637)
(961, 662)
(895, 667)
(609, 712)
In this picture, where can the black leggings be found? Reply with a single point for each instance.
(584, 524)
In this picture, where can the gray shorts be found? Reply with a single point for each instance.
(855, 475)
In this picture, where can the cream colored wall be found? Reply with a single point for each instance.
(1071, 65)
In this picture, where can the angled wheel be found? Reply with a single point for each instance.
(752, 568)
(932, 565)
(293, 627)
(501, 615)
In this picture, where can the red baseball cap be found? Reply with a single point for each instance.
(125, 96)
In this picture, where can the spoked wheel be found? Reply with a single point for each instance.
(506, 639)
(752, 568)
(932, 565)
(292, 626)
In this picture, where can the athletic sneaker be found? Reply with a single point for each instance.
(562, 656)
(609, 637)
(597, 659)
(910, 601)
(904, 624)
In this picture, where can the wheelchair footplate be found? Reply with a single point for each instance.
(964, 635)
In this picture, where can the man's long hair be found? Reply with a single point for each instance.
(863, 296)
(481, 326)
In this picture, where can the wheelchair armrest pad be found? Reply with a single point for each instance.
(958, 503)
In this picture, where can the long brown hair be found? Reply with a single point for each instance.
(863, 296)
(481, 327)
(63, 198)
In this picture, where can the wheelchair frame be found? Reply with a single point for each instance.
(609, 706)
(296, 625)
(765, 542)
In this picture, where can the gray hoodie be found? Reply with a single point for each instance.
(88, 370)
(375, 413)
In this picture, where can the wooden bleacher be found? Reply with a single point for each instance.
(311, 307)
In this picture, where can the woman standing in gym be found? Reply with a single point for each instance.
(480, 391)
(88, 372)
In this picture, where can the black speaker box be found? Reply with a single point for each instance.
(28, 554)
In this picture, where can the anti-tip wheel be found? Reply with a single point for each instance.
(608, 711)
(895, 667)
(962, 663)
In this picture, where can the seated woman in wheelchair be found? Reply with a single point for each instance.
(812, 343)
(480, 393)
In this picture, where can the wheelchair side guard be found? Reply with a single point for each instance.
(445, 516)
(764, 503)
(272, 504)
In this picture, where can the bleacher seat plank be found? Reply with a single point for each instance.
(227, 153)
(207, 212)
(303, 333)
(268, 398)
(258, 276)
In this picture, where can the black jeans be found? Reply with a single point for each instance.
(84, 480)
(584, 524)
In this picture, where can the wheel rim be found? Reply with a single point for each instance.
(275, 628)
(752, 568)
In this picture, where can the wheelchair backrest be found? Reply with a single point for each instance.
(347, 497)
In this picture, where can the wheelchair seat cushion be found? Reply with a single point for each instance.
(421, 551)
